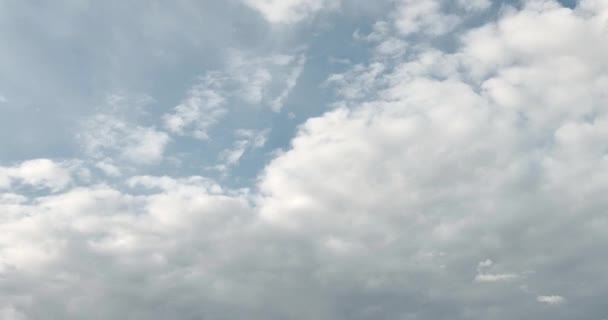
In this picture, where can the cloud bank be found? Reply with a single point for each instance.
(461, 181)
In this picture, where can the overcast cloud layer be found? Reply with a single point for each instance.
(304, 159)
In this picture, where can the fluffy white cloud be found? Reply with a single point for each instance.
(469, 152)
(290, 11)
(38, 173)
(141, 241)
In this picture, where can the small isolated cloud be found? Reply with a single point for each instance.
(484, 264)
(484, 276)
(2, 98)
(290, 11)
(490, 277)
(551, 300)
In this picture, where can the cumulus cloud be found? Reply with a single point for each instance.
(385, 207)
(127, 236)
(430, 150)
(38, 173)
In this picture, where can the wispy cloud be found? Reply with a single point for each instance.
(290, 11)
(105, 135)
(203, 107)
(247, 140)
(551, 300)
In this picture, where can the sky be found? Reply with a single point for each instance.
(304, 159)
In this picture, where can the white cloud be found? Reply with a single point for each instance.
(203, 107)
(12, 198)
(109, 168)
(391, 47)
(125, 235)
(437, 149)
(5, 178)
(551, 300)
(489, 277)
(106, 136)
(290, 11)
(247, 140)
(475, 5)
(264, 80)
(426, 17)
(358, 82)
(379, 32)
(166, 183)
(255, 80)
(38, 173)
(379, 209)
(484, 276)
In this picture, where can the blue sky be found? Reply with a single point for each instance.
(303, 159)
